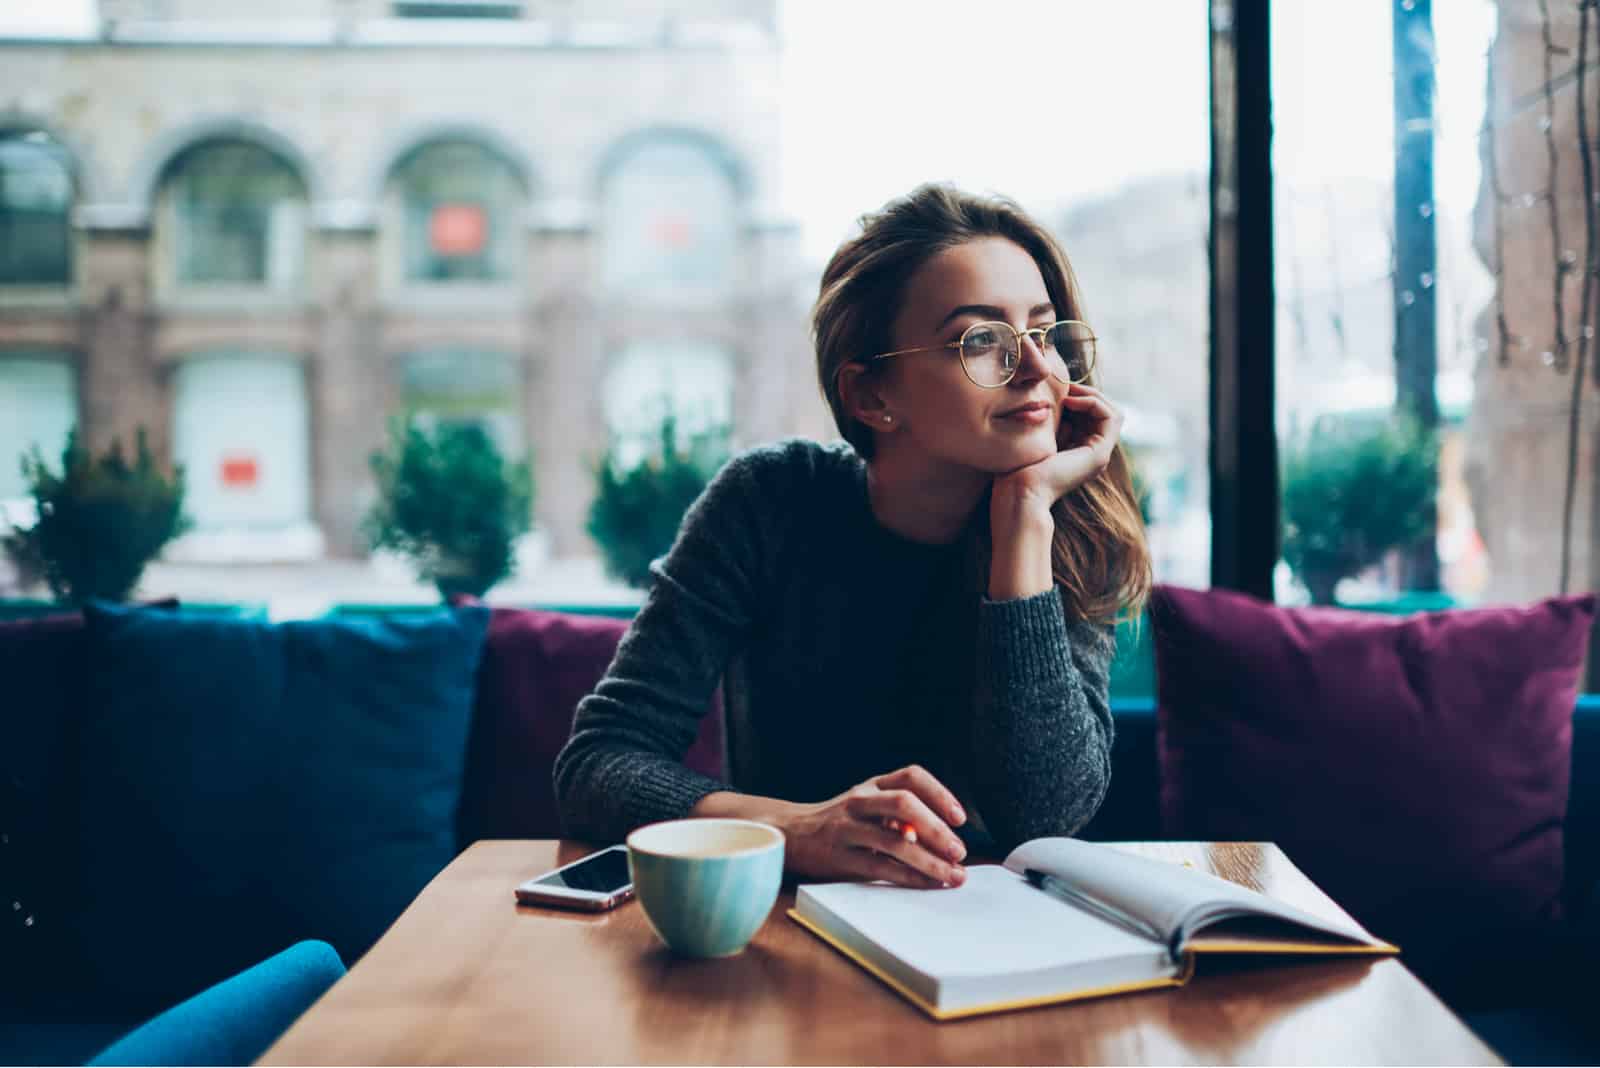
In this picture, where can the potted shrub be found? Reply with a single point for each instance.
(1352, 491)
(99, 521)
(451, 503)
(637, 510)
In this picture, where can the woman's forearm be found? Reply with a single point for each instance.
(1019, 565)
(728, 804)
(1042, 724)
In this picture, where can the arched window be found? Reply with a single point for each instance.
(454, 209)
(691, 381)
(462, 385)
(242, 433)
(669, 221)
(38, 407)
(35, 207)
(233, 213)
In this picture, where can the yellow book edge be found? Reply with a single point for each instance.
(1382, 949)
(995, 1006)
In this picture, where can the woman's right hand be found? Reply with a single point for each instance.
(849, 836)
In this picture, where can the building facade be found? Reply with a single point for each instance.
(259, 238)
(1534, 434)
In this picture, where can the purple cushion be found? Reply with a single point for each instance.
(536, 667)
(1416, 768)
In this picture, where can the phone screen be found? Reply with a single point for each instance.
(604, 873)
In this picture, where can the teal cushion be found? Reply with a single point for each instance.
(244, 785)
(237, 1020)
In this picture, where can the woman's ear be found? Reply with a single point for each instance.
(859, 393)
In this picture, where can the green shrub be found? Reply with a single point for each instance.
(636, 513)
(451, 503)
(100, 521)
(1351, 492)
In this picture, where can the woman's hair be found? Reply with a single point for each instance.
(1098, 555)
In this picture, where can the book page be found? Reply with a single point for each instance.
(1173, 899)
(993, 924)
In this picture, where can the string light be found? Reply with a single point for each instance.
(1491, 126)
(1547, 125)
(1569, 259)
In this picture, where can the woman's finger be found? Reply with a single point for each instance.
(1098, 407)
(877, 837)
(932, 833)
(867, 864)
(921, 781)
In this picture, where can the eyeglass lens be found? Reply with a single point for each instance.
(992, 352)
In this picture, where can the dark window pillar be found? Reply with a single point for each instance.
(1244, 445)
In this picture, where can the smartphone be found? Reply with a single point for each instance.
(596, 882)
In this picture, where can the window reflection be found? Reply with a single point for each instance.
(466, 386)
(458, 208)
(38, 407)
(237, 214)
(35, 201)
(669, 218)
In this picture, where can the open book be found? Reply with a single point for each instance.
(1062, 919)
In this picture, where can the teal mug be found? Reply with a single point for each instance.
(706, 885)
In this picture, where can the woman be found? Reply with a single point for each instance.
(916, 625)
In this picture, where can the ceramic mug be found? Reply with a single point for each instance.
(706, 886)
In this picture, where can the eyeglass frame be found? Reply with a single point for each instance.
(1035, 332)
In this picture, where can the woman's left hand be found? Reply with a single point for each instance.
(1089, 431)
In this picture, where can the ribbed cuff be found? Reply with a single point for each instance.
(1023, 644)
(667, 792)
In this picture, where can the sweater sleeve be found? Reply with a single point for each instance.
(622, 767)
(1042, 722)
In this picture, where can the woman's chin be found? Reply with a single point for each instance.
(1036, 447)
(1019, 454)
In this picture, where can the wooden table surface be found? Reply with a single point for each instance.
(467, 976)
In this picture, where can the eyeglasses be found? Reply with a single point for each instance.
(991, 352)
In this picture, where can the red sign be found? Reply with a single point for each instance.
(674, 231)
(458, 229)
(240, 471)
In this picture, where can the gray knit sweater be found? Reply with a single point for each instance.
(846, 652)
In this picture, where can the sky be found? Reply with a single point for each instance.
(1054, 102)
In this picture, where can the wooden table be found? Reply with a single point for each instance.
(467, 976)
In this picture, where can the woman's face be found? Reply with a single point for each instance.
(929, 398)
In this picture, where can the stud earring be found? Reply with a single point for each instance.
(888, 419)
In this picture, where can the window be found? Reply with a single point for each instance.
(669, 218)
(236, 216)
(467, 386)
(457, 207)
(242, 433)
(35, 202)
(1386, 309)
(1140, 253)
(688, 380)
(38, 407)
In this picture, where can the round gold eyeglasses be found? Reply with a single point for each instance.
(991, 352)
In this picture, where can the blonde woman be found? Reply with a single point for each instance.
(915, 625)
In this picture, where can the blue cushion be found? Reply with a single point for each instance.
(235, 1021)
(1131, 811)
(60, 1034)
(244, 785)
(1583, 807)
